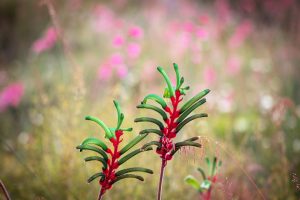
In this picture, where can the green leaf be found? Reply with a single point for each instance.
(156, 98)
(132, 143)
(158, 144)
(213, 169)
(192, 139)
(95, 176)
(192, 181)
(202, 173)
(92, 148)
(134, 169)
(96, 142)
(207, 161)
(163, 73)
(194, 100)
(190, 109)
(108, 133)
(97, 158)
(134, 153)
(177, 76)
(187, 143)
(187, 120)
(150, 119)
(184, 143)
(158, 132)
(126, 129)
(151, 107)
(205, 184)
(118, 178)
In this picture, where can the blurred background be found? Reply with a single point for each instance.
(62, 60)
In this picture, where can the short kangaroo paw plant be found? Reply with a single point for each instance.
(174, 118)
(206, 186)
(112, 158)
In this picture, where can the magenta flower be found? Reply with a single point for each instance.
(136, 32)
(201, 33)
(118, 41)
(240, 34)
(47, 41)
(115, 63)
(133, 50)
(116, 59)
(11, 96)
(122, 71)
(105, 72)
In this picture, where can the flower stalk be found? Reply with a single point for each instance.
(174, 118)
(114, 156)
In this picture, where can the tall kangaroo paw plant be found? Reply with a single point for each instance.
(174, 118)
(111, 156)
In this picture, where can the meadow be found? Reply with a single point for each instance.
(63, 60)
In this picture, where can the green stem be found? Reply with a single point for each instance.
(162, 170)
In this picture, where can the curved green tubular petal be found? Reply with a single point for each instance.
(120, 115)
(91, 148)
(158, 132)
(150, 119)
(132, 143)
(187, 120)
(118, 178)
(184, 143)
(108, 133)
(192, 139)
(151, 107)
(194, 100)
(177, 76)
(97, 158)
(207, 161)
(134, 169)
(190, 109)
(156, 98)
(213, 169)
(126, 129)
(95, 176)
(130, 155)
(158, 144)
(187, 143)
(220, 163)
(96, 142)
(181, 82)
(162, 71)
(193, 182)
(120, 120)
(202, 173)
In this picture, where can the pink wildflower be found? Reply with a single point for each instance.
(241, 33)
(11, 96)
(136, 32)
(115, 59)
(104, 72)
(118, 41)
(133, 50)
(46, 42)
(122, 71)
